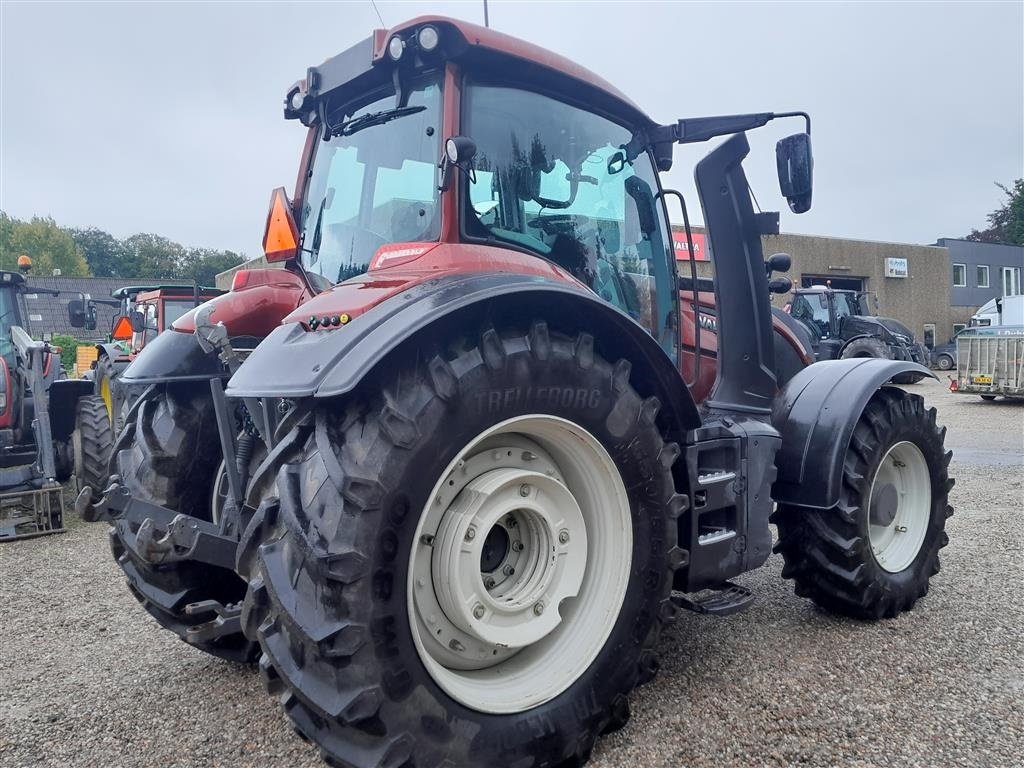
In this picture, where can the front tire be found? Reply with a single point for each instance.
(172, 461)
(944, 363)
(361, 562)
(92, 441)
(873, 554)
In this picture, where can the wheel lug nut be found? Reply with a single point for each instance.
(563, 536)
(508, 570)
(455, 645)
(538, 608)
(470, 533)
(517, 546)
(478, 612)
(524, 490)
(489, 582)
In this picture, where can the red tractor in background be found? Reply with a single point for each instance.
(443, 474)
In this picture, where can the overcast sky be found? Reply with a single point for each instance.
(166, 117)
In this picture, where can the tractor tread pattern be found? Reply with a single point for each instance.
(171, 462)
(96, 439)
(827, 552)
(321, 664)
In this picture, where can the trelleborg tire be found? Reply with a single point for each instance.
(875, 560)
(172, 460)
(359, 557)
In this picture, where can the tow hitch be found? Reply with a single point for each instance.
(156, 534)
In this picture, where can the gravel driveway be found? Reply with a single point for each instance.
(87, 679)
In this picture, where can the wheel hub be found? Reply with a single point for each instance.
(515, 604)
(899, 506)
(520, 563)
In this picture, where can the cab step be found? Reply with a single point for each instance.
(725, 599)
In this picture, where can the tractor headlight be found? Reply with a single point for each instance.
(395, 48)
(428, 38)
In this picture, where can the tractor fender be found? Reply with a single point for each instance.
(294, 362)
(173, 356)
(816, 413)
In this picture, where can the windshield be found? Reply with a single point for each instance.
(175, 309)
(846, 304)
(375, 186)
(812, 309)
(554, 179)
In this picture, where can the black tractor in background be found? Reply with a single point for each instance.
(841, 326)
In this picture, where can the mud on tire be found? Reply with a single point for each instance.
(328, 556)
(171, 461)
(828, 552)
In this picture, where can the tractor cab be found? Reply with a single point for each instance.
(432, 152)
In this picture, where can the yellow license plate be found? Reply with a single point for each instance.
(981, 380)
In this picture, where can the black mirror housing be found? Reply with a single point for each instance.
(796, 168)
(138, 321)
(76, 313)
(780, 285)
(779, 262)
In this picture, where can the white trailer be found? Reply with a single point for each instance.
(990, 362)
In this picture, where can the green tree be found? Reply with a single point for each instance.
(155, 256)
(68, 350)
(104, 253)
(1006, 223)
(49, 247)
(203, 264)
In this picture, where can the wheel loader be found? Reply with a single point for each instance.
(449, 473)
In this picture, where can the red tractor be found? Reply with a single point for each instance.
(443, 474)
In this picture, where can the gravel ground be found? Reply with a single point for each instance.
(87, 679)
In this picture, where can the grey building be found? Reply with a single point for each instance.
(981, 271)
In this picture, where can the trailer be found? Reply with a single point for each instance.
(990, 362)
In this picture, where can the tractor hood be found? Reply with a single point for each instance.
(895, 327)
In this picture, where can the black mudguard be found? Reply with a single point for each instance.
(63, 398)
(293, 362)
(816, 413)
(173, 356)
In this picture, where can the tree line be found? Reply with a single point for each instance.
(96, 253)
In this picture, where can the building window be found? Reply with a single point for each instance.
(929, 335)
(959, 275)
(982, 276)
(1011, 281)
(957, 327)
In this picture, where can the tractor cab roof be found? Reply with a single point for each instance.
(132, 291)
(371, 64)
(15, 279)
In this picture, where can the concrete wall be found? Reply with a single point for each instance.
(921, 297)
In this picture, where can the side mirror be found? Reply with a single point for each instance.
(780, 285)
(778, 262)
(459, 152)
(138, 321)
(77, 313)
(796, 168)
(281, 235)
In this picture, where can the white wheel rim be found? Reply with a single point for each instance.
(520, 564)
(895, 544)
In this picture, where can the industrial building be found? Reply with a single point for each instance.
(919, 285)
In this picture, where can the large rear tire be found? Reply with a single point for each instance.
(92, 441)
(496, 470)
(172, 461)
(872, 555)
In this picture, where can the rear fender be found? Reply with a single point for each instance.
(816, 413)
(294, 362)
